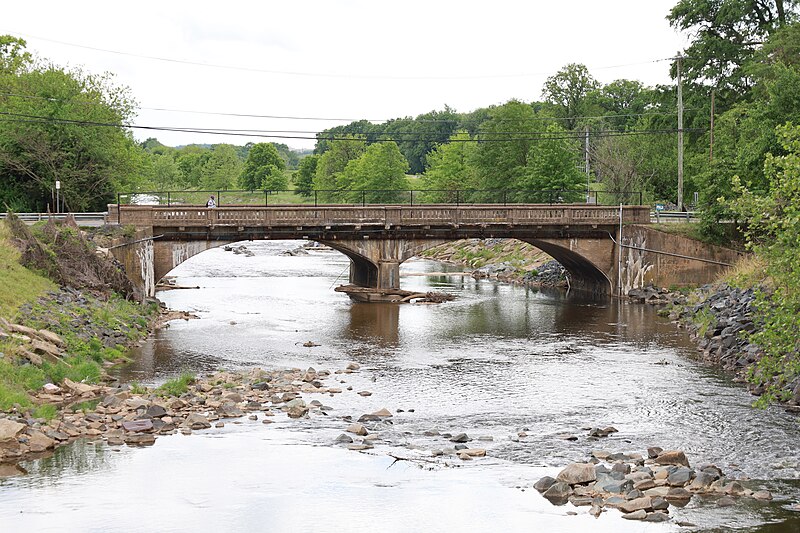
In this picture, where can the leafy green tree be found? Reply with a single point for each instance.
(222, 168)
(450, 167)
(567, 92)
(47, 135)
(304, 176)
(773, 231)
(726, 34)
(332, 163)
(553, 165)
(504, 144)
(380, 171)
(263, 169)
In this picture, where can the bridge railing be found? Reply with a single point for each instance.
(386, 216)
(348, 197)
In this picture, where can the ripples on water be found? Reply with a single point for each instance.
(496, 361)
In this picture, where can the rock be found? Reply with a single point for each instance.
(474, 452)
(353, 366)
(219, 425)
(660, 504)
(461, 437)
(196, 421)
(39, 442)
(577, 473)
(558, 493)
(50, 337)
(641, 514)
(357, 429)
(364, 393)
(80, 388)
(139, 439)
(343, 439)
(642, 503)
(136, 426)
(51, 388)
(654, 452)
(383, 413)
(545, 483)
(763, 495)
(155, 411)
(297, 411)
(701, 481)
(672, 457)
(734, 488)
(680, 477)
(619, 487)
(9, 433)
(677, 494)
(644, 484)
(657, 517)
(726, 501)
(605, 432)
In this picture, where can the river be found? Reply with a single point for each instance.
(498, 362)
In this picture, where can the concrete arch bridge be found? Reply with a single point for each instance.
(378, 238)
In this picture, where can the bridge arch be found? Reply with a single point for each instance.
(584, 272)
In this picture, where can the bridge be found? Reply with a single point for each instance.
(378, 238)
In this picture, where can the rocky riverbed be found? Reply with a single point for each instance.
(644, 486)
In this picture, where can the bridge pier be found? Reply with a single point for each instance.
(375, 263)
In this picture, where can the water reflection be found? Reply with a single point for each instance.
(377, 324)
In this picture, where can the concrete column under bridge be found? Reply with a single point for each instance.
(375, 263)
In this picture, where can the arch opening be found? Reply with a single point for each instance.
(586, 275)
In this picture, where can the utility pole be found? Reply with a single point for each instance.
(680, 134)
(588, 175)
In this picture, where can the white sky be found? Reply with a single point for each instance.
(358, 59)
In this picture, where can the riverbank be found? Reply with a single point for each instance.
(506, 260)
(66, 314)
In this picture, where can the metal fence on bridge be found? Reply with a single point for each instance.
(380, 197)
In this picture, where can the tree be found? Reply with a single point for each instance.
(726, 34)
(450, 167)
(304, 176)
(48, 135)
(380, 171)
(504, 143)
(772, 223)
(332, 163)
(566, 91)
(222, 169)
(553, 166)
(619, 167)
(263, 169)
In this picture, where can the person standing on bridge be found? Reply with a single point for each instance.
(211, 203)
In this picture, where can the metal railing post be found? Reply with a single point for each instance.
(412, 197)
(315, 198)
(169, 199)
(457, 191)
(504, 198)
(363, 198)
(119, 210)
(266, 198)
(219, 198)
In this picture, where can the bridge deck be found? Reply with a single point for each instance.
(386, 216)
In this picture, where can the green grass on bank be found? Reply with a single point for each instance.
(18, 285)
(21, 300)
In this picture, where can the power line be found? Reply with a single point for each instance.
(330, 119)
(524, 136)
(316, 74)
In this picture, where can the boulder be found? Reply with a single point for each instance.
(39, 442)
(461, 437)
(577, 473)
(9, 433)
(657, 517)
(763, 495)
(672, 457)
(680, 477)
(545, 483)
(643, 503)
(641, 514)
(356, 429)
(558, 493)
(195, 421)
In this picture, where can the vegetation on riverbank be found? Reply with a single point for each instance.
(49, 334)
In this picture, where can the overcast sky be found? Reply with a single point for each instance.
(339, 59)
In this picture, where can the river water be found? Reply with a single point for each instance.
(498, 361)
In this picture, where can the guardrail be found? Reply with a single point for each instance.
(387, 216)
(82, 219)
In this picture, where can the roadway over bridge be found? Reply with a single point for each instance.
(378, 238)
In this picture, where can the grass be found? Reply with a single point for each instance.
(137, 388)
(46, 411)
(176, 386)
(746, 273)
(18, 285)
